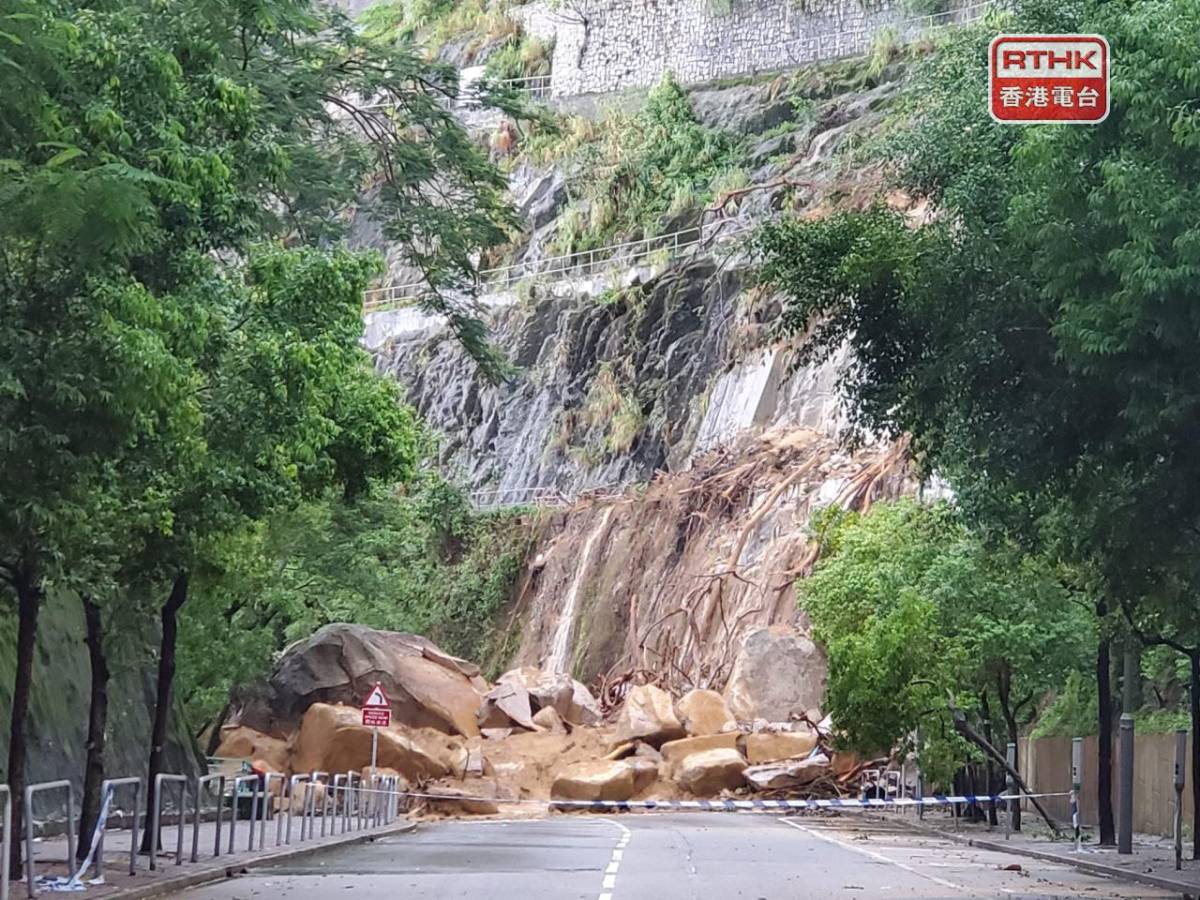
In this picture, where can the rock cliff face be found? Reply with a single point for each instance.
(59, 702)
(662, 383)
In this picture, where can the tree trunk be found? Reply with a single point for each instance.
(1108, 831)
(1194, 690)
(989, 771)
(162, 699)
(214, 736)
(963, 727)
(29, 602)
(93, 772)
(1004, 694)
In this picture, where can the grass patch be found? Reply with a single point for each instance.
(634, 170)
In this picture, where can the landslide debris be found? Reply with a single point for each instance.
(532, 736)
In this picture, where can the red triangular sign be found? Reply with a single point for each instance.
(377, 698)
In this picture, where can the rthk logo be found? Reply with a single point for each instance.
(1049, 78)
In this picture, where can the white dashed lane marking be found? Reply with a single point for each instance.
(618, 854)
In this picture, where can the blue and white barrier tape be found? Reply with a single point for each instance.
(746, 805)
(771, 805)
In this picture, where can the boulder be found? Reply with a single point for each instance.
(341, 663)
(648, 715)
(645, 772)
(548, 719)
(673, 752)
(778, 672)
(787, 774)
(704, 712)
(505, 705)
(595, 780)
(708, 772)
(332, 739)
(240, 742)
(769, 747)
(529, 687)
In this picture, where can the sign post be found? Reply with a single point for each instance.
(376, 714)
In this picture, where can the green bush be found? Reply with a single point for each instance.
(639, 168)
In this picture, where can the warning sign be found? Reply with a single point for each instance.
(1048, 78)
(377, 709)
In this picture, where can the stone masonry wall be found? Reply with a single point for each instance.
(609, 45)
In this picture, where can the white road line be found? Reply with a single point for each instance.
(610, 873)
(879, 857)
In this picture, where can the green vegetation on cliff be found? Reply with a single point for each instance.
(414, 558)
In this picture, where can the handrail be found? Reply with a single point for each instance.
(106, 786)
(581, 262)
(30, 790)
(291, 807)
(233, 816)
(6, 841)
(262, 834)
(201, 783)
(156, 816)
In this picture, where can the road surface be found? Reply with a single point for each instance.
(663, 857)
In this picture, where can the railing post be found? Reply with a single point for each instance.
(109, 786)
(291, 805)
(202, 782)
(238, 781)
(6, 841)
(30, 790)
(266, 808)
(1076, 786)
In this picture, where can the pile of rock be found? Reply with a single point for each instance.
(693, 746)
(532, 735)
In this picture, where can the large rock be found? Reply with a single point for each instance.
(340, 663)
(674, 752)
(648, 715)
(595, 780)
(704, 712)
(240, 742)
(769, 746)
(707, 773)
(332, 739)
(521, 693)
(778, 672)
(771, 776)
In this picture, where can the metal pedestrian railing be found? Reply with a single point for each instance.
(30, 791)
(107, 791)
(580, 264)
(5, 839)
(156, 816)
(351, 802)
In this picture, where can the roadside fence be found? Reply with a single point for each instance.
(580, 264)
(345, 803)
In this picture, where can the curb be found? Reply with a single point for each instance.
(219, 872)
(1085, 865)
(1188, 889)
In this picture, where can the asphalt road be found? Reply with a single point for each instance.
(663, 857)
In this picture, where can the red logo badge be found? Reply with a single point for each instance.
(1048, 78)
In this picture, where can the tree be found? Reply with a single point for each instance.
(913, 609)
(152, 161)
(1035, 336)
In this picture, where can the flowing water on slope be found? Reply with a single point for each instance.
(559, 649)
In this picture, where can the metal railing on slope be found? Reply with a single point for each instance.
(580, 264)
(507, 498)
